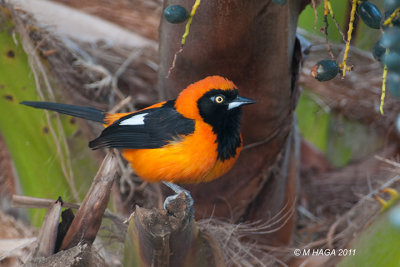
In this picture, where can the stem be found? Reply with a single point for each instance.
(385, 71)
(349, 34)
(194, 8)
(392, 17)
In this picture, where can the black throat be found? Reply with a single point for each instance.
(225, 123)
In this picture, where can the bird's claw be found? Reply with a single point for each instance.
(172, 199)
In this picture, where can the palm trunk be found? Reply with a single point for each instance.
(252, 43)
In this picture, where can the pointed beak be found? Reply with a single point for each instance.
(240, 101)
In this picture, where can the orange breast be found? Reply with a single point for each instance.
(191, 160)
(221, 167)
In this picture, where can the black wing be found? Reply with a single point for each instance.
(151, 128)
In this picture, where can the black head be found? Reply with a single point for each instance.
(222, 110)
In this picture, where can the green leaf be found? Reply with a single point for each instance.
(313, 121)
(378, 245)
(38, 141)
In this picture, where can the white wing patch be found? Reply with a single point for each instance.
(134, 120)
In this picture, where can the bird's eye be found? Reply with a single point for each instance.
(219, 99)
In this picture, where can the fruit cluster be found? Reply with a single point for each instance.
(386, 50)
(369, 13)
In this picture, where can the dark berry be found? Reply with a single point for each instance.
(393, 83)
(279, 2)
(391, 5)
(378, 51)
(325, 70)
(370, 14)
(397, 124)
(175, 14)
(392, 61)
(391, 38)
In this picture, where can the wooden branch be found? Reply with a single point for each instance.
(168, 238)
(48, 232)
(87, 220)
(81, 255)
(19, 201)
(41, 203)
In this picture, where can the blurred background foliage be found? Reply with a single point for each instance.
(40, 143)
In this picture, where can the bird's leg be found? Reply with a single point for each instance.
(177, 189)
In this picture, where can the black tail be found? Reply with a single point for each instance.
(87, 113)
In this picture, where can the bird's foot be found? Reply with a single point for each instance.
(171, 200)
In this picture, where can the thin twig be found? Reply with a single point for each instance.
(121, 105)
(331, 233)
(41, 203)
(314, 7)
(114, 80)
(388, 161)
(262, 142)
(335, 21)
(325, 29)
(174, 61)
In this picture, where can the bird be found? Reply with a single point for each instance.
(192, 139)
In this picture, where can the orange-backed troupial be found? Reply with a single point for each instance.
(191, 139)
